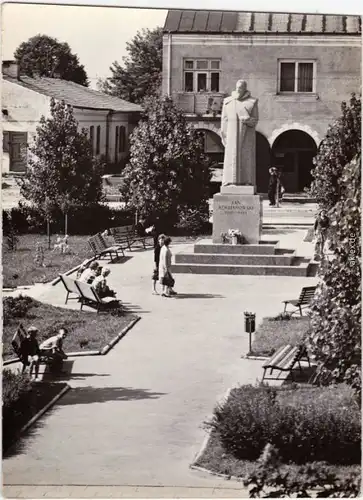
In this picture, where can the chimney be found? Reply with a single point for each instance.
(11, 69)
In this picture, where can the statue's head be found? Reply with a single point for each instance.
(241, 87)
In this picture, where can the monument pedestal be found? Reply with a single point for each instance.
(233, 208)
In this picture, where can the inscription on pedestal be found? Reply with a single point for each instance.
(233, 211)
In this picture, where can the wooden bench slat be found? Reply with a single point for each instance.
(306, 296)
(284, 360)
(277, 356)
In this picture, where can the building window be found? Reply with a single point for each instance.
(91, 135)
(202, 75)
(98, 140)
(297, 76)
(122, 139)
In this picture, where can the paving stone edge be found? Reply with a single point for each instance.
(205, 444)
(209, 431)
(123, 332)
(44, 409)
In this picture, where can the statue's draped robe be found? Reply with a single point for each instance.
(239, 119)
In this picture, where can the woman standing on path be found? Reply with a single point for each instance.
(166, 278)
(158, 243)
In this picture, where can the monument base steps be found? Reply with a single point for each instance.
(264, 259)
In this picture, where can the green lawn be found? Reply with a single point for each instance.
(275, 333)
(19, 267)
(87, 330)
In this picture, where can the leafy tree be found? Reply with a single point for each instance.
(47, 56)
(140, 74)
(341, 144)
(335, 336)
(168, 172)
(62, 172)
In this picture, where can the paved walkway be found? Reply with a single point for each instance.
(132, 424)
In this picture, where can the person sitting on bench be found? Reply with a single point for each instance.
(100, 284)
(90, 273)
(53, 347)
(29, 352)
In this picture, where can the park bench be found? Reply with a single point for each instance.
(16, 342)
(100, 248)
(90, 297)
(70, 286)
(306, 296)
(128, 236)
(284, 360)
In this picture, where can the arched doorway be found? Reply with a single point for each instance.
(263, 162)
(293, 152)
(214, 148)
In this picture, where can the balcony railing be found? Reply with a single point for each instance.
(200, 103)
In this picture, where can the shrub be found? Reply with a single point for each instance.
(310, 481)
(81, 220)
(14, 385)
(192, 221)
(16, 307)
(305, 425)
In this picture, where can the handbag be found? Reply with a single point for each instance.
(168, 280)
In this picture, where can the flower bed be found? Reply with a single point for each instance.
(19, 267)
(87, 330)
(22, 400)
(308, 424)
(274, 333)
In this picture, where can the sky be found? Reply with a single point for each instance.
(98, 35)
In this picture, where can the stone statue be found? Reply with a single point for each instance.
(238, 122)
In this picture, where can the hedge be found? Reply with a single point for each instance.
(81, 220)
(305, 425)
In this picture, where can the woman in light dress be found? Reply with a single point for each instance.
(165, 276)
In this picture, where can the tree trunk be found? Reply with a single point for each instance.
(65, 224)
(48, 233)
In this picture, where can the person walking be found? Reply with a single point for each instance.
(321, 227)
(272, 186)
(158, 243)
(166, 278)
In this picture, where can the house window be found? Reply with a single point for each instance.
(98, 139)
(91, 135)
(297, 76)
(121, 142)
(202, 75)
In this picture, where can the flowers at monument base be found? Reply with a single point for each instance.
(233, 236)
(234, 232)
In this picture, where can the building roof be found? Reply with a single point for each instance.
(203, 21)
(74, 94)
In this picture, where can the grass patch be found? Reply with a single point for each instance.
(24, 400)
(87, 330)
(19, 267)
(274, 333)
(250, 419)
(217, 460)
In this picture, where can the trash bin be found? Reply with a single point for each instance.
(250, 322)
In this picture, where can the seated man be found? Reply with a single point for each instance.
(100, 284)
(29, 352)
(53, 347)
(90, 273)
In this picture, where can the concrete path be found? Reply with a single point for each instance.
(134, 420)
